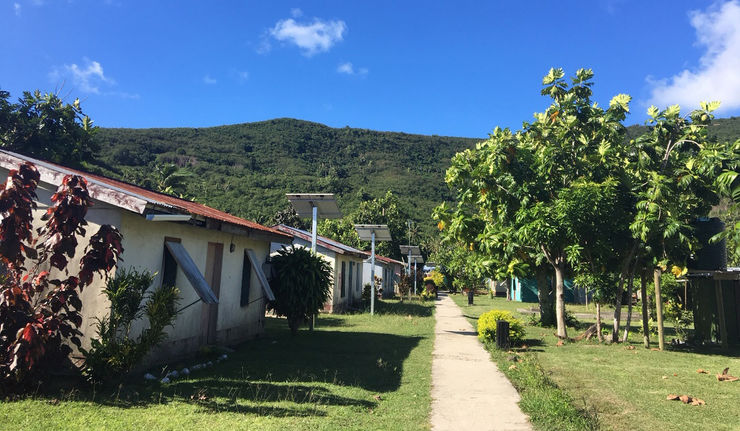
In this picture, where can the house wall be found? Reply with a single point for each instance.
(341, 303)
(234, 323)
(143, 244)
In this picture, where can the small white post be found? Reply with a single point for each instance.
(313, 228)
(372, 273)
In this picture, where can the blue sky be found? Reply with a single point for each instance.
(433, 67)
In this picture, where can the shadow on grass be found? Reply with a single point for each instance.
(308, 370)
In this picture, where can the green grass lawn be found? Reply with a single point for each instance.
(623, 389)
(353, 372)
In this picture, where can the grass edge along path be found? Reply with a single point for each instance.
(548, 406)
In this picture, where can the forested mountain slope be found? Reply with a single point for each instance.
(246, 169)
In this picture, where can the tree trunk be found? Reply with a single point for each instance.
(617, 311)
(560, 300)
(598, 322)
(630, 285)
(659, 307)
(547, 306)
(644, 301)
(620, 290)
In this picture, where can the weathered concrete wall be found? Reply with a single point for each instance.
(235, 323)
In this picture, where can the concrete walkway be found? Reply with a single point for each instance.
(468, 391)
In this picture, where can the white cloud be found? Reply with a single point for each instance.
(717, 76)
(348, 69)
(17, 8)
(209, 80)
(312, 38)
(243, 75)
(296, 12)
(88, 79)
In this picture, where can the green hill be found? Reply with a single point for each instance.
(246, 169)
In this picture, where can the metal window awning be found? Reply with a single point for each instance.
(196, 279)
(260, 274)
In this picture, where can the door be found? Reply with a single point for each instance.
(214, 259)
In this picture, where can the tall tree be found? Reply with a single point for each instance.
(519, 183)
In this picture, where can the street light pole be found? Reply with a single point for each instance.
(372, 274)
(314, 210)
(414, 276)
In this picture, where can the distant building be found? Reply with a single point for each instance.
(387, 269)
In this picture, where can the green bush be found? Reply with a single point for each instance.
(427, 294)
(116, 352)
(487, 326)
(301, 282)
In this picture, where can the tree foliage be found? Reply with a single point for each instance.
(571, 190)
(43, 126)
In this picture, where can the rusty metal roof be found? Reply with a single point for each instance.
(321, 241)
(131, 197)
(385, 259)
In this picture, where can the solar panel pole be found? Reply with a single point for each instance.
(408, 270)
(372, 273)
(414, 276)
(315, 211)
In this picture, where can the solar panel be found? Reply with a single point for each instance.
(381, 232)
(325, 204)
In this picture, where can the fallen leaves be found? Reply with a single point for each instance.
(700, 371)
(512, 367)
(725, 377)
(630, 347)
(378, 397)
(686, 399)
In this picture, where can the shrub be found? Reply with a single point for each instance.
(404, 284)
(39, 313)
(301, 282)
(487, 326)
(115, 352)
(427, 294)
(378, 290)
(681, 318)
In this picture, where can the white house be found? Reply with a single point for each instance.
(214, 258)
(387, 269)
(345, 261)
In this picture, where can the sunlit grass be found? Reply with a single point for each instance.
(621, 388)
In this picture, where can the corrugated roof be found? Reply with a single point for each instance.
(321, 241)
(158, 199)
(384, 259)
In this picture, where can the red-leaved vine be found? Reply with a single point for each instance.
(39, 309)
